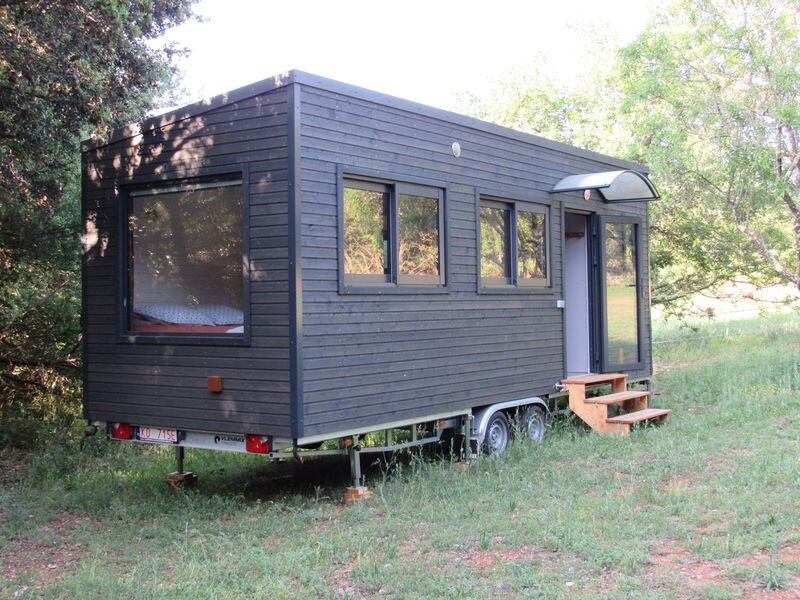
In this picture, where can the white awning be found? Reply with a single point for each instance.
(613, 186)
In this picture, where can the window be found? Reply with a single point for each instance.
(621, 292)
(392, 234)
(366, 232)
(531, 248)
(495, 247)
(513, 245)
(185, 259)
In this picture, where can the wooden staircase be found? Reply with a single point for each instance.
(594, 410)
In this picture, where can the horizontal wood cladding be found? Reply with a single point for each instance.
(370, 359)
(166, 384)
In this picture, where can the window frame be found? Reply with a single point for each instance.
(642, 298)
(513, 283)
(141, 187)
(393, 282)
(510, 248)
(371, 279)
(532, 282)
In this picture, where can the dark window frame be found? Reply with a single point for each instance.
(531, 282)
(512, 283)
(641, 295)
(510, 248)
(394, 282)
(125, 194)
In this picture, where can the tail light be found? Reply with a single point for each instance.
(257, 444)
(122, 431)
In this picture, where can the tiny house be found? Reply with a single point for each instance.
(302, 260)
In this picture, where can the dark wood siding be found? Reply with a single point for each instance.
(166, 384)
(370, 359)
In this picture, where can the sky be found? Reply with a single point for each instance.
(430, 51)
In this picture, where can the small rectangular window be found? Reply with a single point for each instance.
(392, 234)
(185, 253)
(418, 237)
(513, 245)
(495, 224)
(367, 254)
(531, 248)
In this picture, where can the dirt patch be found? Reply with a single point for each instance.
(668, 555)
(340, 581)
(489, 558)
(341, 584)
(47, 558)
(693, 574)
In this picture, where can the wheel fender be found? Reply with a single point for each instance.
(482, 414)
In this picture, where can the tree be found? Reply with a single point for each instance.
(711, 91)
(708, 97)
(68, 69)
(532, 100)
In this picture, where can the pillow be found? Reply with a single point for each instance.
(220, 314)
(178, 314)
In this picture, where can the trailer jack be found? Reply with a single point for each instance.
(180, 477)
(358, 491)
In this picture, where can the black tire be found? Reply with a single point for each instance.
(498, 434)
(532, 422)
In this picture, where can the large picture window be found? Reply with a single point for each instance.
(185, 270)
(513, 245)
(392, 234)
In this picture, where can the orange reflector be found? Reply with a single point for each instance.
(214, 384)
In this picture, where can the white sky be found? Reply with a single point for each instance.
(428, 51)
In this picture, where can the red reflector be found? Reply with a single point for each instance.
(258, 444)
(121, 431)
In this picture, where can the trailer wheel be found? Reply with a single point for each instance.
(532, 421)
(498, 434)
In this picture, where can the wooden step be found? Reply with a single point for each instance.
(640, 416)
(594, 378)
(618, 397)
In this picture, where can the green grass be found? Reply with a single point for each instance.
(705, 506)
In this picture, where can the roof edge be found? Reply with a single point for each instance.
(332, 85)
(346, 89)
(190, 110)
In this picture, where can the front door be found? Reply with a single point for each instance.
(578, 284)
(621, 294)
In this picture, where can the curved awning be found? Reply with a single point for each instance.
(613, 186)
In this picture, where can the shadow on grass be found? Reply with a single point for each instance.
(313, 479)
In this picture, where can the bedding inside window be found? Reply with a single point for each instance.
(185, 259)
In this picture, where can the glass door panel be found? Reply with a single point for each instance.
(621, 295)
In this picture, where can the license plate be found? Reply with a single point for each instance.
(157, 434)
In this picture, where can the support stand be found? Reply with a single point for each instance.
(180, 477)
(465, 462)
(357, 491)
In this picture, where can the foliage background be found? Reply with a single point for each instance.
(68, 69)
(708, 96)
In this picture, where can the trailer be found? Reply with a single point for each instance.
(295, 264)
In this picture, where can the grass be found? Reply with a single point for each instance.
(705, 506)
